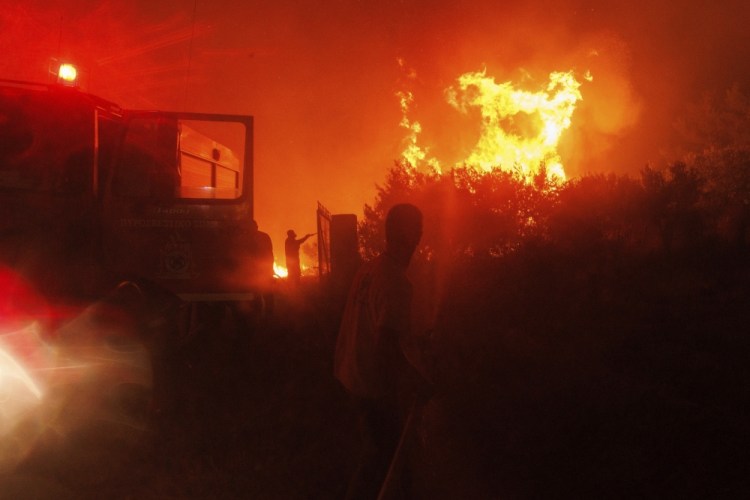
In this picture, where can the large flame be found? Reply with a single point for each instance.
(520, 129)
(413, 153)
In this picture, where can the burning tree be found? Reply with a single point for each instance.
(468, 212)
(579, 323)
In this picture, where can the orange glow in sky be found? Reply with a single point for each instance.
(339, 90)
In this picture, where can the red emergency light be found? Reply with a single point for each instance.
(67, 74)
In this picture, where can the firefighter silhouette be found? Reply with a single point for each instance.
(291, 251)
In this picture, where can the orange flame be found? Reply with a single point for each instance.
(520, 129)
(280, 271)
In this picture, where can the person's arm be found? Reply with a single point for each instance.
(305, 237)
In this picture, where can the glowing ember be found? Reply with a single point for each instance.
(520, 129)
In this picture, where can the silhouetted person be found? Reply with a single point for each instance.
(371, 350)
(262, 253)
(291, 250)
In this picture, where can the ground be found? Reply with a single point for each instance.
(253, 411)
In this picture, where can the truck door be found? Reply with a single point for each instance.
(179, 204)
(48, 208)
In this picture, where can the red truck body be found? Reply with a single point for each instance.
(91, 195)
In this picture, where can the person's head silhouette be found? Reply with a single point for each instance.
(403, 231)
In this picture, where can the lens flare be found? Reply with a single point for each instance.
(11, 371)
(18, 390)
(91, 376)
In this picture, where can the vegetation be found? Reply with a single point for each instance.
(590, 338)
(591, 334)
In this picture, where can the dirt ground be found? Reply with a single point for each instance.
(253, 411)
(250, 412)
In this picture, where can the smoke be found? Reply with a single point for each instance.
(322, 79)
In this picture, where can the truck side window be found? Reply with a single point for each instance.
(211, 165)
(133, 175)
(147, 165)
(48, 143)
(75, 173)
(162, 157)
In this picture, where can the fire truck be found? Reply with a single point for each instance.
(93, 196)
(122, 234)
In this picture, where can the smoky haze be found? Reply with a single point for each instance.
(321, 78)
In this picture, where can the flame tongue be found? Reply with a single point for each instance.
(502, 106)
(520, 129)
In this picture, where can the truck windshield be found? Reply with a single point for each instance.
(46, 142)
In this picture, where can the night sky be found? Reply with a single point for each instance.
(321, 78)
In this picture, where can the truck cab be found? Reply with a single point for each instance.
(92, 194)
